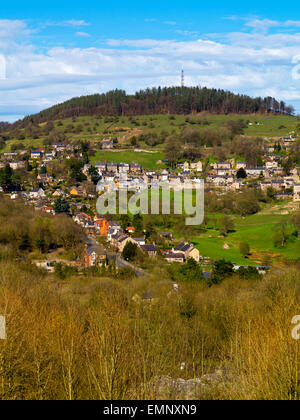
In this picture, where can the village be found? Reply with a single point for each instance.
(44, 189)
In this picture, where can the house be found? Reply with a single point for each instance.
(122, 241)
(139, 241)
(164, 176)
(150, 249)
(82, 219)
(37, 193)
(77, 192)
(256, 171)
(186, 166)
(197, 166)
(135, 168)
(222, 171)
(44, 178)
(101, 167)
(222, 165)
(107, 144)
(271, 164)
(270, 148)
(94, 256)
(58, 193)
(115, 238)
(240, 165)
(124, 167)
(16, 165)
(185, 174)
(48, 209)
(102, 225)
(86, 168)
(235, 185)
(130, 229)
(277, 171)
(296, 195)
(112, 167)
(166, 235)
(277, 184)
(114, 228)
(188, 250)
(58, 147)
(10, 155)
(37, 154)
(174, 257)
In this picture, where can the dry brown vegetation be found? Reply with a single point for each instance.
(23, 230)
(111, 346)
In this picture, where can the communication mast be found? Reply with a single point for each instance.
(182, 78)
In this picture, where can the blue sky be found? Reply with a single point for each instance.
(50, 52)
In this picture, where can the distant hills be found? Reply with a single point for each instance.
(167, 100)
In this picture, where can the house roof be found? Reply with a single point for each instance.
(174, 256)
(149, 248)
(123, 238)
(182, 247)
(96, 249)
(37, 190)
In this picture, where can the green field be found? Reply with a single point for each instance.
(258, 231)
(96, 128)
(147, 160)
(28, 143)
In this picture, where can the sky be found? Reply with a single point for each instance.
(53, 51)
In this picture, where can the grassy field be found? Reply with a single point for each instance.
(258, 231)
(147, 160)
(28, 143)
(97, 128)
(94, 129)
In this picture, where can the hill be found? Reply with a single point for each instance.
(172, 100)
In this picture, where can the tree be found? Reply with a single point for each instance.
(248, 272)
(241, 174)
(125, 221)
(226, 225)
(138, 222)
(296, 221)
(94, 174)
(6, 176)
(247, 203)
(129, 251)
(281, 236)
(62, 205)
(150, 229)
(172, 150)
(8, 179)
(244, 249)
(221, 270)
(190, 271)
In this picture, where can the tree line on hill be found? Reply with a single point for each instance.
(167, 100)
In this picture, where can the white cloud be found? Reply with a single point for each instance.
(262, 24)
(83, 34)
(170, 22)
(75, 22)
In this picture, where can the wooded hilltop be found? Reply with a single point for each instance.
(167, 100)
